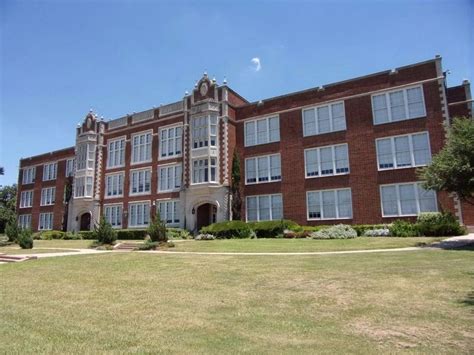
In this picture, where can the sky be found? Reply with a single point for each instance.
(59, 58)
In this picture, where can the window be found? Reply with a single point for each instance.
(264, 207)
(45, 221)
(329, 204)
(398, 105)
(263, 169)
(403, 151)
(141, 147)
(326, 161)
(204, 131)
(113, 215)
(140, 182)
(48, 196)
(170, 142)
(265, 130)
(26, 199)
(324, 119)
(114, 185)
(50, 171)
(139, 214)
(28, 175)
(83, 186)
(169, 178)
(406, 200)
(85, 156)
(169, 212)
(204, 170)
(24, 221)
(116, 153)
(69, 167)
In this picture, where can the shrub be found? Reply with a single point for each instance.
(104, 233)
(177, 233)
(439, 224)
(362, 228)
(157, 230)
(274, 229)
(204, 236)
(148, 245)
(25, 239)
(339, 231)
(12, 231)
(381, 232)
(228, 230)
(87, 235)
(131, 234)
(72, 236)
(401, 228)
(49, 235)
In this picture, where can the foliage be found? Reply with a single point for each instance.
(235, 187)
(157, 229)
(148, 245)
(131, 234)
(273, 229)
(362, 228)
(205, 236)
(7, 205)
(452, 168)
(178, 233)
(88, 235)
(401, 228)
(339, 231)
(381, 232)
(49, 235)
(12, 230)
(228, 230)
(104, 233)
(25, 239)
(439, 224)
(67, 198)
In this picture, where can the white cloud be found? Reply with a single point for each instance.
(256, 61)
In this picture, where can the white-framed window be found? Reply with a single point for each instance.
(85, 156)
(24, 221)
(398, 105)
(141, 147)
(116, 153)
(45, 221)
(48, 196)
(204, 131)
(113, 215)
(26, 199)
(70, 167)
(326, 161)
(114, 185)
(50, 171)
(264, 207)
(263, 169)
(138, 214)
(169, 211)
(329, 204)
(404, 151)
(140, 181)
(204, 170)
(171, 142)
(406, 199)
(28, 175)
(169, 178)
(324, 119)
(261, 131)
(83, 186)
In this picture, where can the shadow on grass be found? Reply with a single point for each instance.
(454, 245)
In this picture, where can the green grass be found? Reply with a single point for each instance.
(299, 245)
(19, 251)
(418, 301)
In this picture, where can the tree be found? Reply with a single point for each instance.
(7, 205)
(157, 229)
(2, 170)
(104, 233)
(67, 199)
(452, 169)
(235, 187)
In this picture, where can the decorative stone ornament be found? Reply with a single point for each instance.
(204, 88)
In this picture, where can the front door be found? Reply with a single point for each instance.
(86, 222)
(206, 215)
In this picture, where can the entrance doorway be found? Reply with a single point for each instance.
(85, 222)
(206, 214)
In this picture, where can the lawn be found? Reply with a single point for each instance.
(418, 301)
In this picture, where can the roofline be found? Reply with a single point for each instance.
(48, 153)
(237, 94)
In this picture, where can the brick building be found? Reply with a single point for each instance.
(340, 153)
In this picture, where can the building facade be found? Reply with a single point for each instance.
(340, 153)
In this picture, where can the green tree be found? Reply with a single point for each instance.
(157, 229)
(67, 199)
(452, 169)
(7, 205)
(235, 187)
(104, 233)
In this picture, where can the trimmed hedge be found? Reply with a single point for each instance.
(274, 229)
(439, 224)
(362, 228)
(228, 230)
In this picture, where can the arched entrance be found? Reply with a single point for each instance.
(85, 220)
(205, 215)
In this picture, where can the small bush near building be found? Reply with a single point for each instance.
(205, 236)
(274, 229)
(25, 239)
(228, 230)
(12, 231)
(131, 234)
(439, 224)
(339, 231)
(362, 228)
(50, 235)
(104, 233)
(178, 233)
(381, 232)
(87, 235)
(401, 228)
(157, 230)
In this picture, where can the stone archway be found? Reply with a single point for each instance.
(205, 214)
(85, 222)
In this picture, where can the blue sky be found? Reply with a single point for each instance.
(60, 58)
